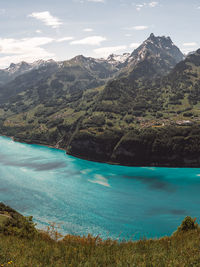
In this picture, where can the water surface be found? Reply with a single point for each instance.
(87, 197)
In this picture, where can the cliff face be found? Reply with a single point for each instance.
(166, 147)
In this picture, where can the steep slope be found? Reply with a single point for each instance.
(135, 89)
(184, 81)
(139, 117)
(154, 122)
(40, 100)
(159, 51)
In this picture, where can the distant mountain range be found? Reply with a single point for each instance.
(160, 47)
(141, 108)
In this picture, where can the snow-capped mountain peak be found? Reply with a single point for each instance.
(17, 67)
(113, 58)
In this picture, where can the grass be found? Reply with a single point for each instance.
(21, 245)
(3, 218)
(181, 250)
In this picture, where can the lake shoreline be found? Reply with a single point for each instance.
(39, 143)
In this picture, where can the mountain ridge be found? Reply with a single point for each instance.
(116, 113)
(14, 70)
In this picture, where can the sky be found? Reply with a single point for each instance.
(62, 29)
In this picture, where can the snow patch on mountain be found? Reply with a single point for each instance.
(113, 58)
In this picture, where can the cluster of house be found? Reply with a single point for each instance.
(144, 123)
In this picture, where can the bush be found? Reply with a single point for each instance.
(20, 226)
(187, 224)
(129, 118)
(159, 115)
(187, 114)
(109, 123)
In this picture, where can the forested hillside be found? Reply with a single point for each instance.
(142, 111)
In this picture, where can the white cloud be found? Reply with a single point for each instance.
(190, 44)
(146, 5)
(140, 6)
(26, 49)
(189, 47)
(36, 55)
(46, 18)
(134, 45)
(92, 40)
(153, 4)
(138, 28)
(64, 39)
(106, 51)
(88, 30)
(187, 50)
(32, 48)
(38, 31)
(20, 46)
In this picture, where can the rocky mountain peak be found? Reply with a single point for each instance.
(160, 48)
(22, 66)
(152, 36)
(157, 44)
(79, 58)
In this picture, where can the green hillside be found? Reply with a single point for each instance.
(22, 245)
(146, 112)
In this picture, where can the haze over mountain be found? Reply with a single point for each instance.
(121, 109)
(15, 70)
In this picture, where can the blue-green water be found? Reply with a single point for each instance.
(87, 197)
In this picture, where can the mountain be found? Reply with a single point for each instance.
(156, 56)
(149, 122)
(15, 70)
(111, 64)
(162, 47)
(138, 109)
(118, 61)
(47, 81)
(160, 51)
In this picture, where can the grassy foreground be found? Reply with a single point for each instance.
(22, 245)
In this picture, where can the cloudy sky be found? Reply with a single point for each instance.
(61, 29)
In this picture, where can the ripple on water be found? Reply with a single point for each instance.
(87, 197)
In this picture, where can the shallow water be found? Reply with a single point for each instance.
(87, 197)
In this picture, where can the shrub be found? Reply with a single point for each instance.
(187, 114)
(187, 224)
(20, 226)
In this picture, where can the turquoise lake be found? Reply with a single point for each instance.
(87, 197)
